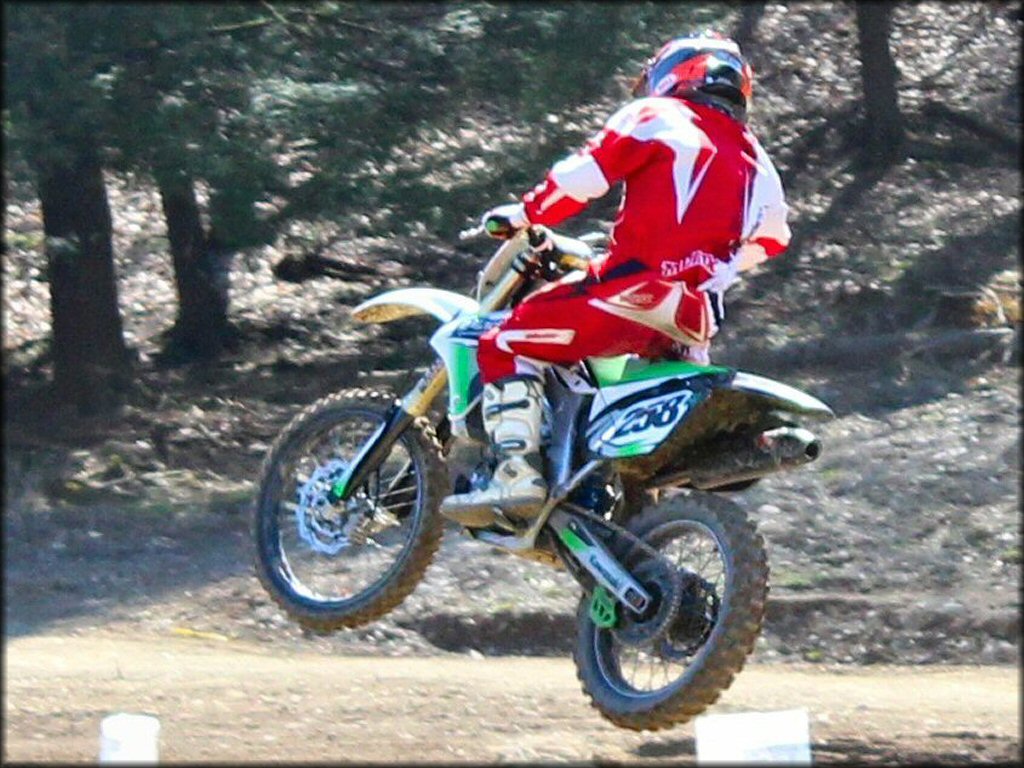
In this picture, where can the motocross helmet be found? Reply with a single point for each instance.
(706, 68)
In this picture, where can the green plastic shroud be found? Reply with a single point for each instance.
(602, 609)
(626, 369)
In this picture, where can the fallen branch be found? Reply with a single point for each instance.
(297, 269)
(251, 24)
(275, 13)
(1003, 141)
(330, 17)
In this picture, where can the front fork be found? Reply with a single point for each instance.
(416, 403)
(377, 447)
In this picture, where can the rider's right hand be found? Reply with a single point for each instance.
(503, 221)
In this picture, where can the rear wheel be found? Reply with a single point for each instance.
(333, 565)
(663, 677)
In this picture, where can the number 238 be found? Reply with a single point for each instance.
(659, 415)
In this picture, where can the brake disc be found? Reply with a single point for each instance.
(321, 524)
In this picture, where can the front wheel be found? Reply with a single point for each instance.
(334, 565)
(653, 675)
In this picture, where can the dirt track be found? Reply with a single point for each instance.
(232, 701)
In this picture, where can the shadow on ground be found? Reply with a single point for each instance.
(98, 563)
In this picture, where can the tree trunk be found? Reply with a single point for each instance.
(90, 360)
(202, 283)
(746, 27)
(884, 123)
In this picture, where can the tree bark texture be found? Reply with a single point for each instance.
(90, 360)
(746, 27)
(201, 281)
(884, 123)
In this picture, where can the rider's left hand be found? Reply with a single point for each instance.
(726, 275)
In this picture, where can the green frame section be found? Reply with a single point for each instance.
(571, 540)
(462, 369)
(627, 451)
(627, 369)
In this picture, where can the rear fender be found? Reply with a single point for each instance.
(780, 397)
(657, 408)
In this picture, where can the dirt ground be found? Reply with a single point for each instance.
(236, 701)
(110, 610)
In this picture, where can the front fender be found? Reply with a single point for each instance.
(405, 302)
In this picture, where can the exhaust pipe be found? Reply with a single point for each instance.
(775, 450)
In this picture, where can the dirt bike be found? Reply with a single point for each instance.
(674, 577)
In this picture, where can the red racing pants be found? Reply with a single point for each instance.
(581, 316)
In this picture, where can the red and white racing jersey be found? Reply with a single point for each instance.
(697, 187)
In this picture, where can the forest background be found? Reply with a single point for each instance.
(195, 195)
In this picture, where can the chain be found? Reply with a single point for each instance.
(617, 529)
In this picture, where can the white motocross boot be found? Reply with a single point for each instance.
(512, 416)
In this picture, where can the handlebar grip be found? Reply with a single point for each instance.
(499, 228)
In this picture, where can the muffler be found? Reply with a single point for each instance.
(774, 450)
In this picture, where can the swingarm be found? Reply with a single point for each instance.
(588, 551)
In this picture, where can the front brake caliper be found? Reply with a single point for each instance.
(602, 608)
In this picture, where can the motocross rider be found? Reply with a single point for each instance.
(701, 203)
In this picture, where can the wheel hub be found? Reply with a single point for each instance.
(696, 617)
(664, 586)
(321, 524)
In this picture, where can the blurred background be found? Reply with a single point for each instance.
(195, 195)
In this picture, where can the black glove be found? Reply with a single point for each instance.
(545, 253)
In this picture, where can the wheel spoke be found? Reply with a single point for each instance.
(399, 476)
(397, 492)
(322, 559)
(691, 548)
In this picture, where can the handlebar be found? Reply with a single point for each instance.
(472, 232)
(534, 234)
(572, 253)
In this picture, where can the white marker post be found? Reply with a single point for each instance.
(754, 737)
(128, 738)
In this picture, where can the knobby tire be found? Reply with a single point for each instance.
(373, 603)
(734, 635)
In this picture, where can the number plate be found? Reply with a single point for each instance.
(641, 424)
